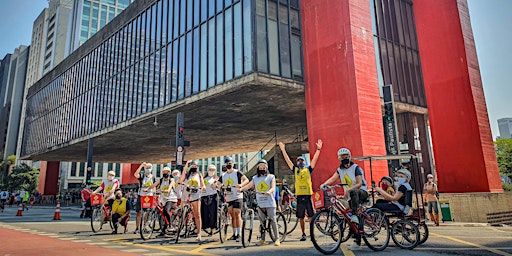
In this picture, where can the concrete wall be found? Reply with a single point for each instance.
(473, 207)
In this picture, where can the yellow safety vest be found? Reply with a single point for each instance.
(119, 207)
(303, 186)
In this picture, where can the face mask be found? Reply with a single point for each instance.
(400, 180)
(211, 173)
(228, 166)
(110, 178)
(384, 186)
(193, 169)
(118, 197)
(148, 171)
(262, 172)
(88, 186)
(302, 165)
(431, 179)
(166, 175)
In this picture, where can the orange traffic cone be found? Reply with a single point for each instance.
(56, 216)
(20, 210)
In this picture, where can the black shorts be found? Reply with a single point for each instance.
(237, 204)
(137, 205)
(304, 205)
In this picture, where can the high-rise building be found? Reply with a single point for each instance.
(505, 126)
(13, 69)
(89, 16)
(57, 25)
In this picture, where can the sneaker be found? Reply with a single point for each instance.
(354, 247)
(199, 239)
(277, 243)
(238, 238)
(233, 237)
(262, 242)
(303, 238)
(136, 231)
(354, 218)
(114, 232)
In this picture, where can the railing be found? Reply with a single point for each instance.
(273, 138)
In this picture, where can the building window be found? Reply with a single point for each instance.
(73, 169)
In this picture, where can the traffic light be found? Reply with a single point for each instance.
(180, 127)
(388, 111)
(88, 176)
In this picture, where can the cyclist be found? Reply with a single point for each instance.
(286, 194)
(352, 175)
(191, 177)
(4, 195)
(209, 200)
(265, 185)
(166, 185)
(402, 199)
(232, 177)
(303, 185)
(146, 180)
(120, 211)
(108, 186)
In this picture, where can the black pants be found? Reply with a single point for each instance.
(167, 210)
(209, 211)
(357, 197)
(115, 219)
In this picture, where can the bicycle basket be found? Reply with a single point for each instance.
(322, 199)
(96, 200)
(147, 201)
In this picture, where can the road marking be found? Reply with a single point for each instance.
(67, 238)
(157, 254)
(82, 241)
(344, 249)
(205, 246)
(114, 246)
(98, 243)
(473, 244)
(135, 250)
(159, 247)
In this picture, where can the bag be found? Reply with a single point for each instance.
(437, 195)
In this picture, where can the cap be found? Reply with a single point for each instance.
(228, 160)
(301, 158)
(387, 178)
(430, 176)
(211, 166)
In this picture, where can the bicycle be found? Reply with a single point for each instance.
(187, 223)
(100, 213)
(156, 216)
(248, 221)
(333, 223)
(224, 219)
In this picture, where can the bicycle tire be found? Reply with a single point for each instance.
(223, 223)
(97, 219)
(281, 227)
(291, 220)
(247, 226)
(147, 224)
(183, 218)
(325, 224)
(376, 229)
(423, 229)
(405, 234)
(190, 224)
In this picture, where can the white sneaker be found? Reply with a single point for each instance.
(354, 247)
(354, 219)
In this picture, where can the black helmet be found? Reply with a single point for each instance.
(228, 159)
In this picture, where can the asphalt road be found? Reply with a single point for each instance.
(38, 229)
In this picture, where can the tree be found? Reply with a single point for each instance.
(23, 177)
(5, 167)
(504, 155)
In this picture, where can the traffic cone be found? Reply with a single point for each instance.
(56, 216)
(20, 210)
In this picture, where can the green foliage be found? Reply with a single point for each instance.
(504, 155)
(23, 177)
(506, 187)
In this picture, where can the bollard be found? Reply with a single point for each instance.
(56, 216)
(20, 210)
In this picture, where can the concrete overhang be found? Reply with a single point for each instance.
(238, 116)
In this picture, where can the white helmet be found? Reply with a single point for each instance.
(344, 151)
(405, 172)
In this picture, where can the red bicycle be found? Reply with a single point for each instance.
(155, 216)
(101, 213)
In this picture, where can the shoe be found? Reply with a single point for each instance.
(233, 237)
(114, 232)
(262, 242)
(354, 218)
(354, 247)
(124, 232)
(136, 231)
(277, 243)
(303, 238)
(199, 239)
(238, 238)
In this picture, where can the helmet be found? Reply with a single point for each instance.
(301, 158)
(176, 171)
(263, 162)
(112, 173)
(406, 173)
(387, 178)
(166, 169)
(149, 166)
(193, 163)
(211, 166)
(430, 176)
(228, 159)
(344, 151)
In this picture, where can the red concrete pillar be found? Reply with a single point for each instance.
(128, 171)
(342, 92)
(48, 178)
(462, 142)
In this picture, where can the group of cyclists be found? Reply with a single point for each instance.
(201, 192)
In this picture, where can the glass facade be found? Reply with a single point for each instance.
(97, 13)
(170, 51)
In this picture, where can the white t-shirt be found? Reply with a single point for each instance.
(147, 182)
(107, 186)
(192, 181)
(262, 184)
(208, 182)
(232, 179)
(170, 196)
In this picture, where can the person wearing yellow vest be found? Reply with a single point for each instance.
(120, 211)
(303, 185)
(146, 180)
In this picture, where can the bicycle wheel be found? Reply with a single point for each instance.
(423, 229)
(376, 229)
(405, 234)
(281, 227)
(247, 225)
(291, 220)
(97, 219)
(190, 228)
(223, 223)
(183, 221)
(325, 228)
(147, 224)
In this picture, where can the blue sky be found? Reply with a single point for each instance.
(491, 28)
